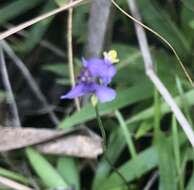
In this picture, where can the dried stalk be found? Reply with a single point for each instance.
(10, 95)
(160, 37)
(98, 24)
(44, 43)
(13, 184)
(16, 29)
(149, 69)
(70, 52)
(30, 80)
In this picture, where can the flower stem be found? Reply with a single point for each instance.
(104, 142)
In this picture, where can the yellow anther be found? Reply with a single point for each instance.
(111, 56)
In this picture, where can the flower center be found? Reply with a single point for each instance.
(85, 76)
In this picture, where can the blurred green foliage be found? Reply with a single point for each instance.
(161, 146)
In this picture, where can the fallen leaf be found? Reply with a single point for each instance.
(80, 142)
(14, 138)
(81, 145)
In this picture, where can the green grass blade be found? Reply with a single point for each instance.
(156, 114)
(167, 167)
(126, 134)
(177, 154)
(68, 169)
(183, 99)
(37, 31)
(116, 142)
(13, 175)
(45, 170)
(59, 69)
(60, 3)
(149, 112)
(133, 169)
(143, 128)
(159, 20)
(167, 170)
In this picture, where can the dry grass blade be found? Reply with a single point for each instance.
(5, 182)
(8, 88)
(16, 29)
(14, 138)
(76, 142)
(81, 145)
(149, 69)
(44, 43)
(30, 80)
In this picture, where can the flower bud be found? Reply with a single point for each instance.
(94, 100)
(111, 56)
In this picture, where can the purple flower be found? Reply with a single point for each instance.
(94, 79)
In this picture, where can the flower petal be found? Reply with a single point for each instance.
(105, 94)
(96, 66)
(84, 62)
(75, 92)
(101, 68)
(111, 71)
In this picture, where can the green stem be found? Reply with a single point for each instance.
(156, 115)
(101, 128)
(126, 134)
(177, 152)
(103, 133)
(183, 99)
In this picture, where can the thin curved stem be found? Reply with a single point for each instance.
(103, 133)
(70, 52)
